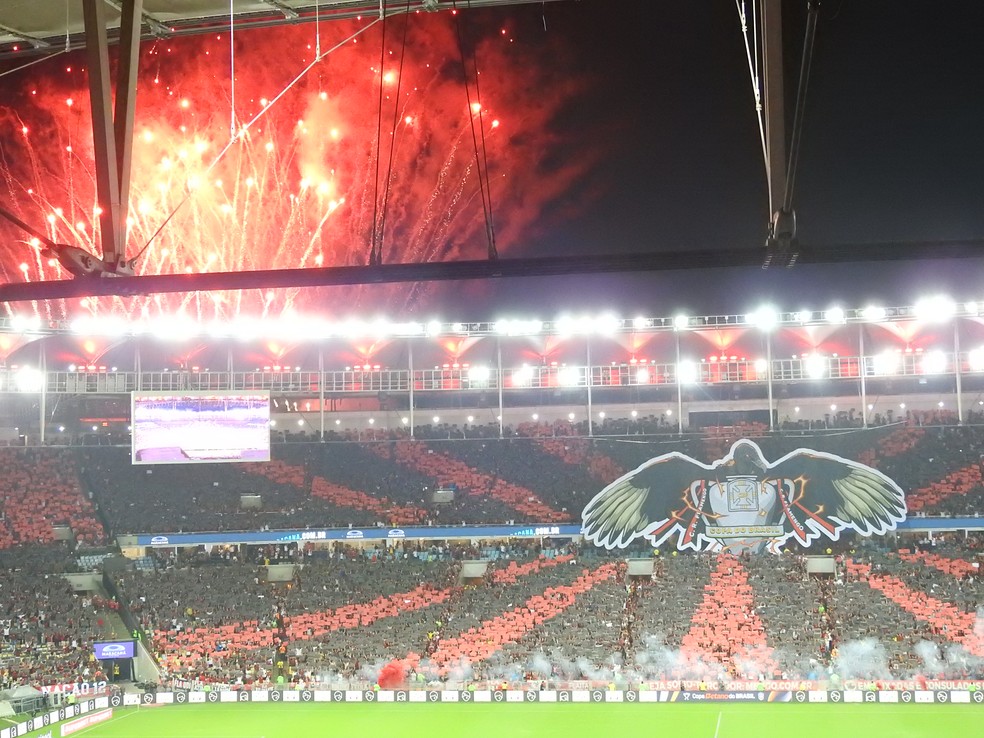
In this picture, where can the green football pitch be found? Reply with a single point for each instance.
(540, 720)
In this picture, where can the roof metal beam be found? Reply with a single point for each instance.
(156, 27)
(479, 269)
(103, 134)
(289, 13)
(37, 43)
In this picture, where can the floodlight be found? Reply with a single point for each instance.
(434, 328)
(687, 372)
(680, 322)
(607, 324)
(765, 318)
(886, 362)
(972, 307)
(761, 365)
(976, 360)
(28, 379)
(934, 362)
(835, 315)
(815, 365)
(479, 374)
(523, 375)
(873, 313)
(639, 323)
(569, 376)
(804, 316)
(642, 376)
(937, 309)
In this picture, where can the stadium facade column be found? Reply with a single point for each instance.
(862, 372)
(43, 364)
(956, 369)
(588, 379)
(321, 393)
(498, 370)
(768, 377)
(136, 367)
(410, 383)
(679, 384)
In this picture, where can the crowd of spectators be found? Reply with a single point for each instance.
(48, 629)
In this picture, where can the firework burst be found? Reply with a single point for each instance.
(301, 185)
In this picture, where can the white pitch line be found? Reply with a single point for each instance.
(718, 728)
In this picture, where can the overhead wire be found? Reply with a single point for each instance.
(752, 55)
(481, 160)
(374, 250)
(396, 117)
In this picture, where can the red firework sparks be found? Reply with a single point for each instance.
(299, 187)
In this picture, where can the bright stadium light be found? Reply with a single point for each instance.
(680, 322)
(479, 374)
(687, 372)
(972, 307)
(937, 309)
(523, 376)
(934, 362)
(569, 376)
(640, 322)
(815, 365)
(642, 376)
(804, 316)
(976, 360)
(886, 362)
(434, 328)
(28, 379)
(607, 324)
(761, 365)
(765, 318)
(835, 315)
(873, 313)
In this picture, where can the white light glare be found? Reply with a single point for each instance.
(642, 376)
(873, 313)
(434, 328)
(934, 362)
(886, 362)
(25, 323)
(569, 376)
(28, 379)
(765, 318)
(522, 376)
(680, 322)
(835, 315)
(976, 360)
(804, 316)
(479, 374)
(815, 365)
(935, 309)
(518, 327)
(687, 372)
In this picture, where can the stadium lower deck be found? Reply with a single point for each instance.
(898, 624)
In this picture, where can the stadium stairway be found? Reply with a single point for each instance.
(445, 469)
(725, 629)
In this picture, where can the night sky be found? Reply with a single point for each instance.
(892, 150)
